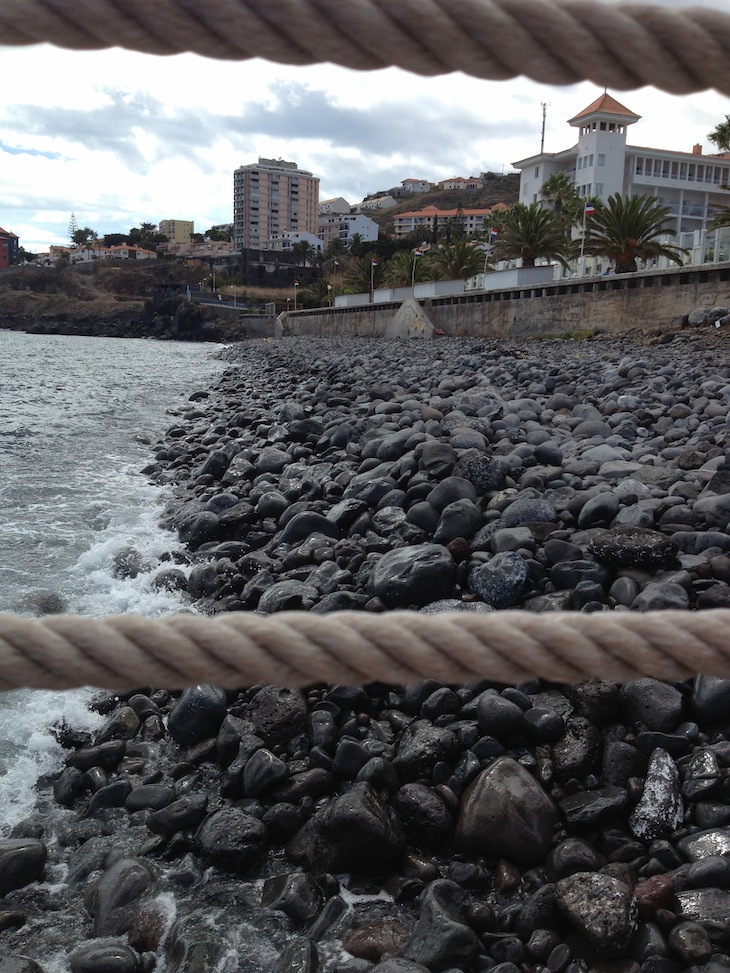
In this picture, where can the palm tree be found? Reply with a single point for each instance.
(405, 268)
(457, 260)
(627, 228)
(559, 191)
(720, 135)
(530, 232)
(304, 252)
(357, 245)
(358, 273)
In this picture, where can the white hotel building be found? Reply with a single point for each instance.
(601, 163)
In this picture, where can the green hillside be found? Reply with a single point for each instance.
(497, 189)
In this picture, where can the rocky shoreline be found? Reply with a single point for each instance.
(517, 829)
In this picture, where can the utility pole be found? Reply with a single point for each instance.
(544, 105)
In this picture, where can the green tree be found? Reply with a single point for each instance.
(84, 236)
(457, 260)
(405, 268)
(559, 192)
(528, 233)
(304, 252)
(357, 275)
(627, 228)
(357, 245)
(333, 258)
(72, 228)
(720, 135)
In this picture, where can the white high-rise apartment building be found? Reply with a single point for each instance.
(272, 197)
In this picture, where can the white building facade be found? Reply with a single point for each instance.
(602, 163)
(344, 226)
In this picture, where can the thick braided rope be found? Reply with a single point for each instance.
(397, 648)
(555, 42)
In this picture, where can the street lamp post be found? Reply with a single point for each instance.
(296, 284)
(329, 294)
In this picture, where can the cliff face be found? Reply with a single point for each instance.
(165, 318)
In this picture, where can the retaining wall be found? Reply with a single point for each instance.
(615, 303)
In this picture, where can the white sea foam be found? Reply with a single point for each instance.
(28, 748)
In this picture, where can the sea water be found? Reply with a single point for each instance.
(78, 417)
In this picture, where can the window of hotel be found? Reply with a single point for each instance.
(683, 170)
(589, 161)
(639, 166)
(601, 159)
(598, 189)
(537, 171)
(665, 169)
(675, 170)
(691, 169)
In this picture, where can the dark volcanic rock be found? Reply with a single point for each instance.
(413, 576)
(505, 813)
(356, 832)
(197, 715)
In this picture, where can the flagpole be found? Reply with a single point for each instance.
(581, 261)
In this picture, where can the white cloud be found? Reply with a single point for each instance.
(119, 137)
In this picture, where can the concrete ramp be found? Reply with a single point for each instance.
(410, 321)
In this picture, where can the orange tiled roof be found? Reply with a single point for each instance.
(607, 105)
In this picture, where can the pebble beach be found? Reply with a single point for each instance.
(403, 829)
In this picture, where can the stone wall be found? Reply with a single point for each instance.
(653, 299)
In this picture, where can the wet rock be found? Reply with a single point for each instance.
(413, 576)
(500, 581)
(297, 895)
(355, 832)
(424, 815)
(601, 908)
(656, 704)
(505, 813)
(112, 898)
(104, 956)
(422, 745)
(231, 840)
(710, 698)
(705, 844)
(661, 808)
(197, 715)
(442, 938)
(22, 861)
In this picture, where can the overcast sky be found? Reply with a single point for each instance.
(119, 138)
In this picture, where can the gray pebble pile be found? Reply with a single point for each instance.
(538, 828)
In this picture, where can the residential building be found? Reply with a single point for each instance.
(411, 186)
(284, 242)
(177, 231)
(344, 226)
(424, 221)
(272, 196)
(336, 205)
(458, 182)
(375, 202)
(601, 163)
(9, 249)
(125, 252)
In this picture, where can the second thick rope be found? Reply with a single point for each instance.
(300, 649)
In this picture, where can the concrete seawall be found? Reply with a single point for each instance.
(616, 303)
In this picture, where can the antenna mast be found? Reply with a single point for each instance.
(544, 105)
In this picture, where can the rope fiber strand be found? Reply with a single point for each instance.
(556, 42)
(397, 648)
